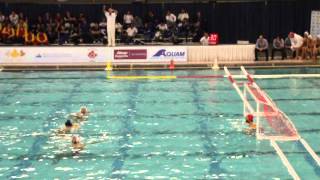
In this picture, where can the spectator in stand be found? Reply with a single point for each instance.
(183, 15)
(119, 31)
(40, 23)
(21, 16)
(131, 33)
(30, 39)
(171, 19)
(205, 39)
(184, 28)
(47, 19)
(150, 19)
(127, 19)
(52, 35)
(75, 37)
(68, 18)
(199, 22)
(262, 47)
(58, 19)
(2, 18)
(162, 31)
(21, 32)
(95, 33)
(103, 30)
(63, 35)
(8, 34)
(41, 38)
(147, 32)
(14, 18)
(137, 22)
(84, 31)
(278, 46)
(81, 18)
(296, 43)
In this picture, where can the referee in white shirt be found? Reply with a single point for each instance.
(111, 16)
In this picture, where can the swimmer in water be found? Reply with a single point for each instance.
(251, 125)
(81, 115)
(69, 127)
(76, 144)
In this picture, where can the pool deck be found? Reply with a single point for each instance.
(95, 66)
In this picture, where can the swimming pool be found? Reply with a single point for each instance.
(157, 129)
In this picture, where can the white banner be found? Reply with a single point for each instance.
(54, 54)
(50, 55)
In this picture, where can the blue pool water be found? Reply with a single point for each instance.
(156, 129)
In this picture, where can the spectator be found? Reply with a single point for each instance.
(183, 15)
(127, 19)
(21, 16)
(40, 23)
(262, 46)
(95, 33)
(14, 18)
(137, 22)
(47, 19)
(52, 35)
(205, 39)
(150, 19)
(147, 32)
(63, 35)
(84, 31)
(8, 34)
(296, 43)
(171, 19)
(131, 33)
(58, 19)
(184, 28)
(103, 30)
(68, 18)
(21, 31)
(2, 18)
(75, 37)
(119, 30)
(278, 46)
(162, 32)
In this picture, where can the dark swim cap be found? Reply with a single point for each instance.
(68, 123)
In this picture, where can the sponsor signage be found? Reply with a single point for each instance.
(128, 54)
(168, 53)
(132, 54)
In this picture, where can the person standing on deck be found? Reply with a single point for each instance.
(111, 16)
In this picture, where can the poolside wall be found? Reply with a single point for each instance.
(127, 55)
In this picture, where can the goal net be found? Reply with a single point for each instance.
(271, 123)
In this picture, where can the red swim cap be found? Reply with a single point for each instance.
(249, 118)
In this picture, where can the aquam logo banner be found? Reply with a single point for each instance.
(168, 53)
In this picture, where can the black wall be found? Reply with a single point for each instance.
(233, 21)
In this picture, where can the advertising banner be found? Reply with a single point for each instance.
(54, 54)
(51, 55)
(130, 54)
(167, 53)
